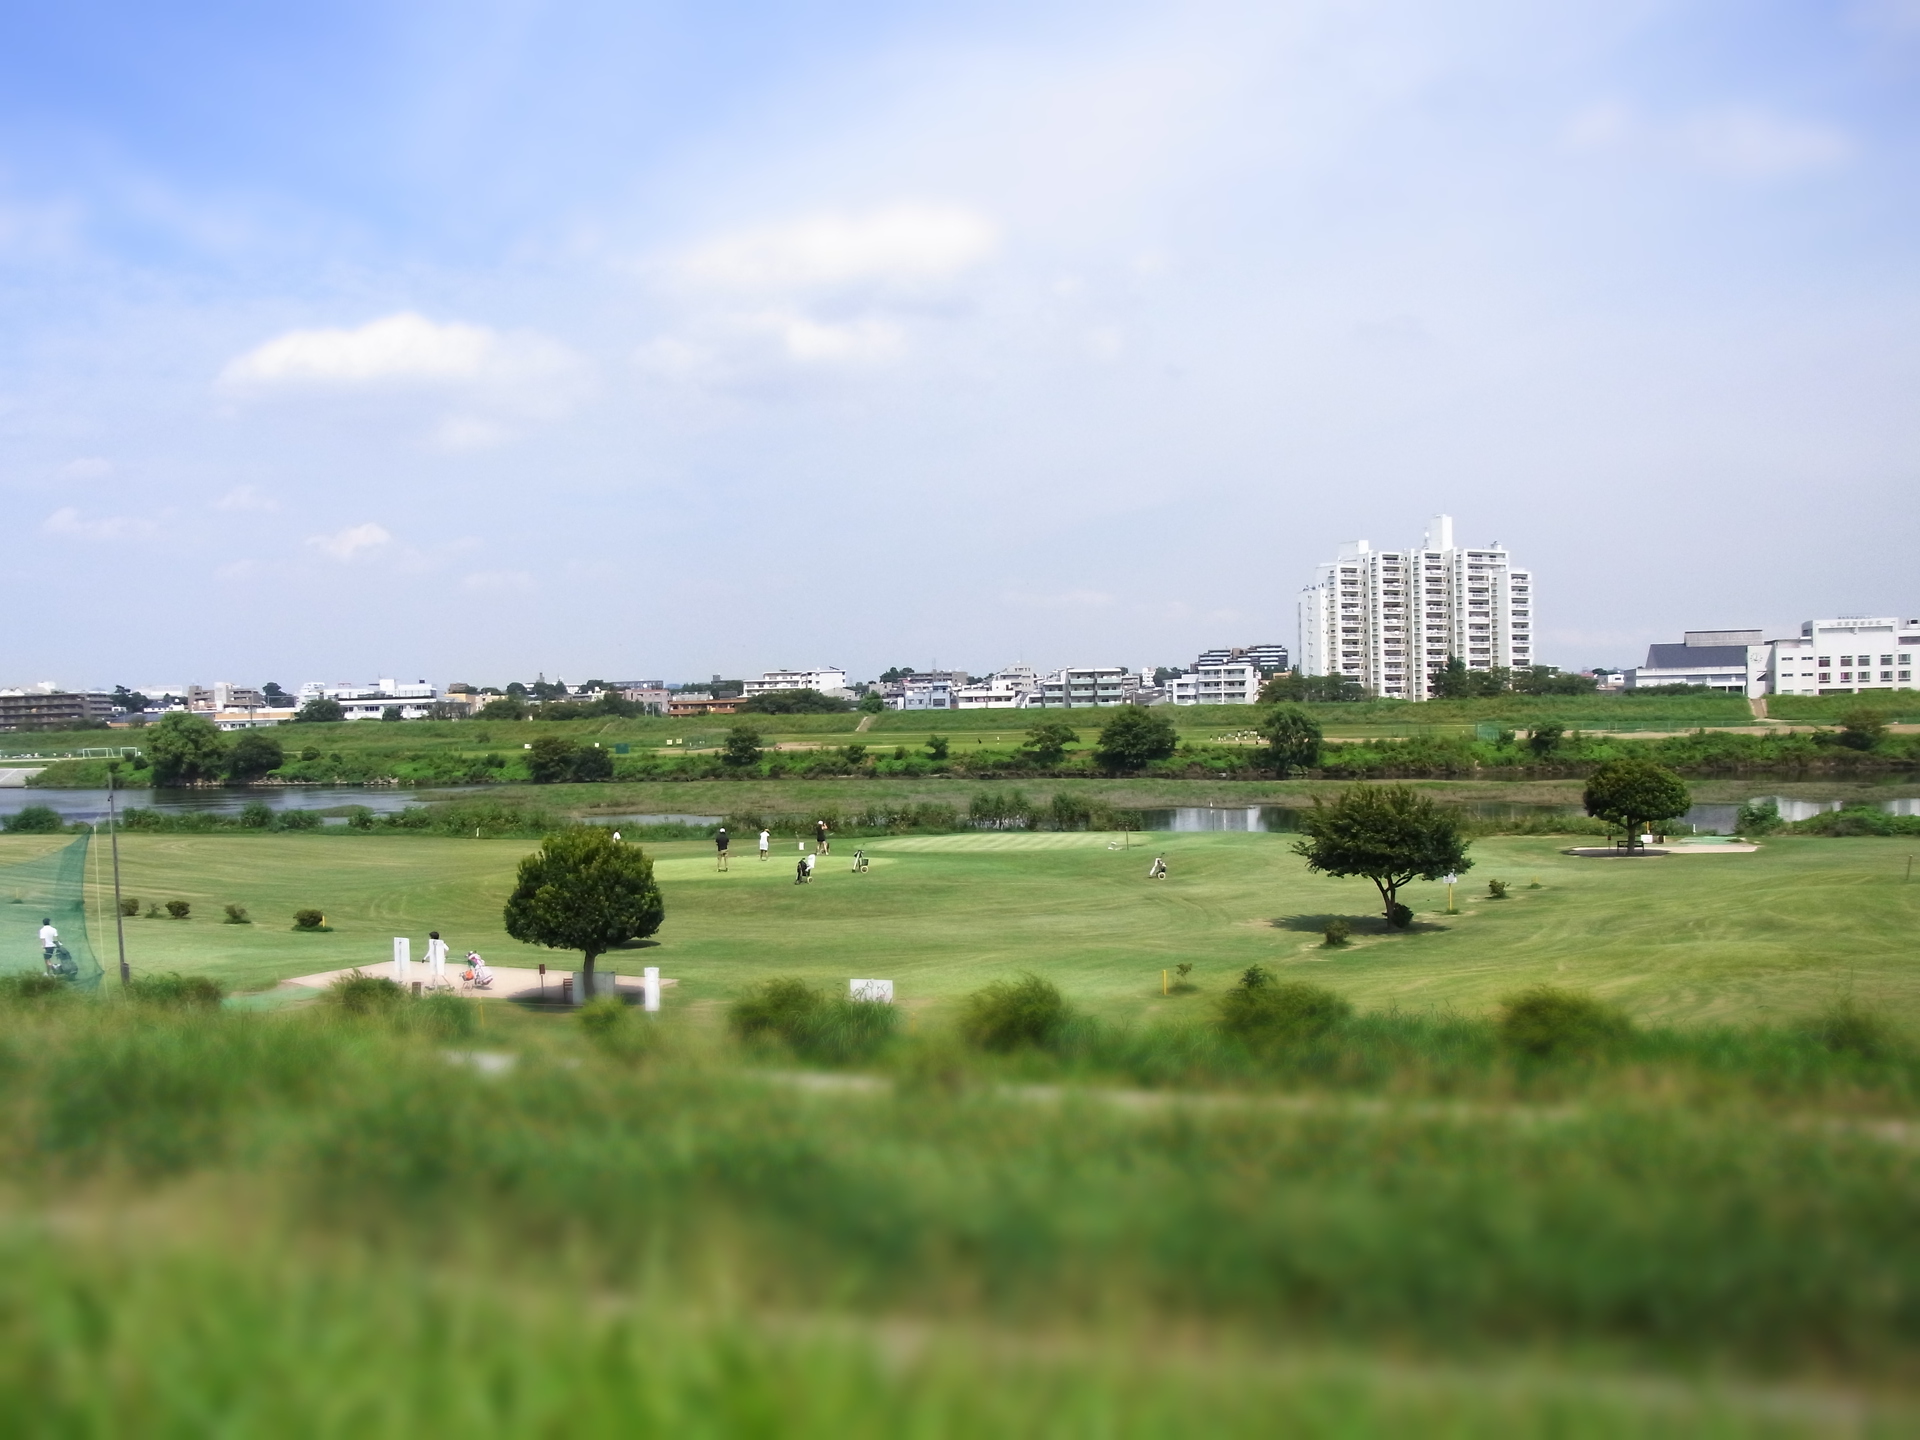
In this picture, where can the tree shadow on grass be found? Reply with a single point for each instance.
(1362, 925)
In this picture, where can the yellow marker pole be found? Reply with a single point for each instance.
(1163, 982)
(1450, 909)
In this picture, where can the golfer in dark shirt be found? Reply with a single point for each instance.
(720, 847)
(820, 836)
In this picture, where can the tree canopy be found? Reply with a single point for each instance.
(253, 753)
(1391, 834)
(1133, 738)
(795, 702)
(583, 890)
(1047, 742)
(1632, 793)
(320, 711)
(1293, 739)
(185, 749)
(1295, 687)
(742, 750)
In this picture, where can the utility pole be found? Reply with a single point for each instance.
(113, 840)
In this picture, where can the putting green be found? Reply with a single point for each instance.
(1732, 936)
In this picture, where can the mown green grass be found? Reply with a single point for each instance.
(1772, 934)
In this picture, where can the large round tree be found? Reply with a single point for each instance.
(1632, 793)
(185, 748)
(583, 890)
(1134, 737)
(1293, 739)
(1391, 834)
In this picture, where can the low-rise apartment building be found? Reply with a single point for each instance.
(828, 681)
(701, 702)
(1008, 689)
(1233, 682)
(1087, 685)
(52, 709)
(414, 699)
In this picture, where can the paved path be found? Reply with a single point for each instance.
(508, 983)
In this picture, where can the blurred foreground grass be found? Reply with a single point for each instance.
(319, 1224)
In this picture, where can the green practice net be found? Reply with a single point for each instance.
(51, 888)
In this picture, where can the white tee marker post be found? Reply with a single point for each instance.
(1451, 880)
(650, 989)
(402, 960)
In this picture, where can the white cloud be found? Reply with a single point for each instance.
(245, 497)
(88, 467)
(399, 349)
(810, 340)
(346, 545)
(904, 246)
(1753, 145)
(69, 521)
(1737, 141)
(469, 432)
(498, 582)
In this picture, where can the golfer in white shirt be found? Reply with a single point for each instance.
(49, 938)
(436, 961)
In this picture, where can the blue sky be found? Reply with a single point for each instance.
(467, 341)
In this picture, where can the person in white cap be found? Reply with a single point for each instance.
(436, 961)
(766, 839)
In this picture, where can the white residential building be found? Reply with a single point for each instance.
(1390, 618)
(369, 702)
(926, 692)
(1849, 654)
(1079, 685)
(1008, 689)
(1235, 682)
(827, 681)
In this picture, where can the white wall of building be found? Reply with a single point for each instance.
(1235, 683)
(1850, 654)
(828, 681)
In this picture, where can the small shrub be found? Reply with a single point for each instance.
(1399, 916)
(297, 820)
(1337, 931)
(179, 909)
(309, 920)
(443, 1016)
(359, 994)
(237, 915)
(1551, 1024)
(1009, 1014)
(177, 991)
(1258, 1010)
(1496, 889)
(129, 906)
(153, 911)
(27, 986)
(1848, 1028)
(831, 1029)
(34, 820)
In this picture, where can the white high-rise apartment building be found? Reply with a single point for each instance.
(1390, 618)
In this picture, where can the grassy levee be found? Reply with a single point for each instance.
(1772, 934)
(315, 1224)
(1894, 706)
(374, 740)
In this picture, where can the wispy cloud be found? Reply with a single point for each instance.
(245, 497)
(69, 521)
(351, 543)
(1743, 142)
(900, 246)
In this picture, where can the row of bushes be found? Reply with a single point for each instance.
(1264, 1027)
